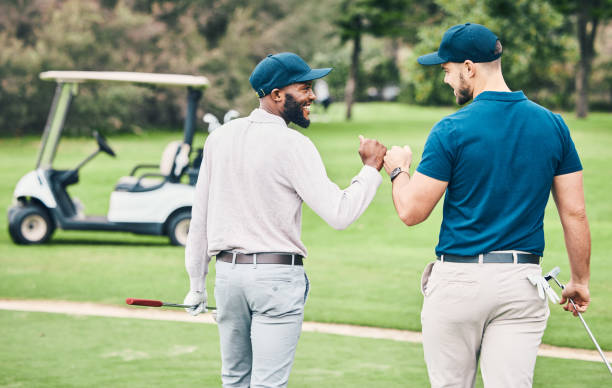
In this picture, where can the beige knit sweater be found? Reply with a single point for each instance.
(255, 174)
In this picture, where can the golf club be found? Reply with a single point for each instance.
(159, 303)
(553, 275)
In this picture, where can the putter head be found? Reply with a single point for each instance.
(552, 274)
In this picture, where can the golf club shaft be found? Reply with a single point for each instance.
(186, 306)
(601, 353)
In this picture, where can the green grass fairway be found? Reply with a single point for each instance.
(56, 350)
(368, 274)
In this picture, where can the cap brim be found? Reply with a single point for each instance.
(431, 59)
(314, 74)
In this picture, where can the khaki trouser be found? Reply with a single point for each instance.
(485, 311)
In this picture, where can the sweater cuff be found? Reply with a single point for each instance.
(197, 284)
(370, 174)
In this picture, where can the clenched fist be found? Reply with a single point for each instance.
(371, 152)
(398, 157)
(579, 293)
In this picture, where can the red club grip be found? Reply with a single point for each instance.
(144, 302)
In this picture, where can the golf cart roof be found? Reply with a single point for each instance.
(122, 76)
(68, 85)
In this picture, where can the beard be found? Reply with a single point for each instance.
(293, 111)
(463, 92)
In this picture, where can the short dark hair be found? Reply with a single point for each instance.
(498, 48)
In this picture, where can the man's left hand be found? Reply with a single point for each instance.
(198, 300)
(579, 293)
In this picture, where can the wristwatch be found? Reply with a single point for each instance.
(395, 172)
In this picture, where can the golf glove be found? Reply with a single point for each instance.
(543, 288)
(197, 299)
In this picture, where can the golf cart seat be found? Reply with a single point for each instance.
(174, 161)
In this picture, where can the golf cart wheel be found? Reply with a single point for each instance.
(178, 228)
(31, 225)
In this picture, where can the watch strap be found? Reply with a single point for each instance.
(395, 172)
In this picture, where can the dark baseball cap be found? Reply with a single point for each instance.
(280, 70)
(462, 42)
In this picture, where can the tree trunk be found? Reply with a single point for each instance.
(351, 83)
(586, 41)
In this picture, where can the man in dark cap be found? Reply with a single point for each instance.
(255, 174)
(497, 159)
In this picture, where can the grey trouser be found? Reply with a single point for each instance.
(260, 310)
(487, 311)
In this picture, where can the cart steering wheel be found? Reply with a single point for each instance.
(103, 144)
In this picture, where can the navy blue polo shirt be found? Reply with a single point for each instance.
(499, 156)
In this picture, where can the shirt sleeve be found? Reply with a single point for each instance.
(439, 153)
(339, 208)
(196, 249)
(570, 162)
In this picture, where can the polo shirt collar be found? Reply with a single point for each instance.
(259, 115)
(501, 96)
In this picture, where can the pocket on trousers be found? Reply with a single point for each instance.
(425, 278)
(458, 290)
(283, 274)
(452, 282)
(277, 296)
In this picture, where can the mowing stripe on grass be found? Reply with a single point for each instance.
(97, 309)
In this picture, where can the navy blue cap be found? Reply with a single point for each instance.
(462, 42)
(280, 70)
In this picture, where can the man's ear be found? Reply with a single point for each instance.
(276, 95)
(469, 68)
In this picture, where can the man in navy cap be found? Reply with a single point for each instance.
(497, 160)
(256, 173)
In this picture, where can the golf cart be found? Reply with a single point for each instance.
(154, 202)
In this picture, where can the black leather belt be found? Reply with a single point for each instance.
(260, 258)
(502, 257)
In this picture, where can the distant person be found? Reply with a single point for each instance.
(321, 89)
(497, 159)
(247, 211)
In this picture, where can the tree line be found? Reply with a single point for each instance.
(549, 52)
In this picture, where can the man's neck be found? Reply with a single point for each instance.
(263, 104)
(495, 83)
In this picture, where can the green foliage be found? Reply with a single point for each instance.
(378, 67)
(82, 35)
(222, 40)
(535, 49)
(601, 89)
(589, 17)
(373, 17)
(597, 9)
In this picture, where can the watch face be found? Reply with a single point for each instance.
(395, 172)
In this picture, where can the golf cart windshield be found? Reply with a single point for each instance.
(67, 87)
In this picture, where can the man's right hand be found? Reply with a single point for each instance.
(372, 152)
(579, 293)
(197, 299)
(398, 157)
